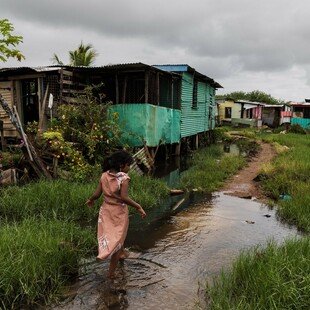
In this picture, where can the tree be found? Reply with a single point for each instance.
(84, 55)
(255, 96)
(8, 42)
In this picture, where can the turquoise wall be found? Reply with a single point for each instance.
(200, 118)
(303, 122)
(149, 123)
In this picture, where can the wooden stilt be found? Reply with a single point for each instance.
(178, 149)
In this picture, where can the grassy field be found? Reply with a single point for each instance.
(209, 168)
(37, 257)
(275, 277)
(289, 175)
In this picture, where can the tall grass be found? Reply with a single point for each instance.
(210, 168)
(59, 199)
(64, 200)
(37, 257)
(289, 174)
(147, 190)
(270, 278)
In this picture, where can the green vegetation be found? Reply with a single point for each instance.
(270, 278)
(64, 200)
(8, 42)
(46, 229)
(209, 168)
(84, 55)
(255, 96)
(37, 258)
(289, 176)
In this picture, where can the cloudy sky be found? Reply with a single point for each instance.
(242, 44)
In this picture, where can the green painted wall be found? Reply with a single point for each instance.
(303, 122)
(149, 123)
(200, 118)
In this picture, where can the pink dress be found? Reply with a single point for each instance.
(113, 215)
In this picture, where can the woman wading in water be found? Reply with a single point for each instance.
(113, 215)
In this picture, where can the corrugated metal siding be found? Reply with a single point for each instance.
(149, 123)
(202, 118)
(303, 122)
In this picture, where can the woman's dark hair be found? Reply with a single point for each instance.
(116, 160)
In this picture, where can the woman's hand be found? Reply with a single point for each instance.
(90, 203)
(142, 212)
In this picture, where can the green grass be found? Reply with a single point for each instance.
(209, 168)
(147, 191)
(59, 199)
(289, 174)
(64, 200)
(270, 278)
(37, 258)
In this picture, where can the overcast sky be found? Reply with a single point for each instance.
(243, 44)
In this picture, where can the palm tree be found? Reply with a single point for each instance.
(84, 55)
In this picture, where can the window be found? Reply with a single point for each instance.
(227, 112)
(195, 93)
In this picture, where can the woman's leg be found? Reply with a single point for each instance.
(124, 254)
(113, 263)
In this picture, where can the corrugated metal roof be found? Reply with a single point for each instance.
(41, 69)
(187, 68)
(249, 102)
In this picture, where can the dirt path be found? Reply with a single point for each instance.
(242, 184)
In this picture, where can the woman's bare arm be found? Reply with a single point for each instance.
(126, 199)
(97, 193)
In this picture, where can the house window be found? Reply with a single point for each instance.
(195, 95)
(227, 112)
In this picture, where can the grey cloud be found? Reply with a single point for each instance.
(222, 37)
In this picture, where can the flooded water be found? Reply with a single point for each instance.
(179, 252)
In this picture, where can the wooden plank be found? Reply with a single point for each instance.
(26, 76)
(116, 89)
(157, 88)
(43, 106)
(67, 82)
(66, 72)
(124, 89)
(146, 86)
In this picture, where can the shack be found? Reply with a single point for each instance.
(274, 115)
(146, 99)
(227, 109)
(250, 113)
(28, 90)
(301, 113)
(198, 107)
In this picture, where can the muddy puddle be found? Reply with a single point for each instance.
(177, 254)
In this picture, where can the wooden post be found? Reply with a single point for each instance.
(178, 149)
(124, 89)
(61, 85)
(116, 89)
(55, 167)
(2, 135)
(146, 87)
(43, 106)
(196, 141)
(172, 103)
(34, 160)
(157, 89)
